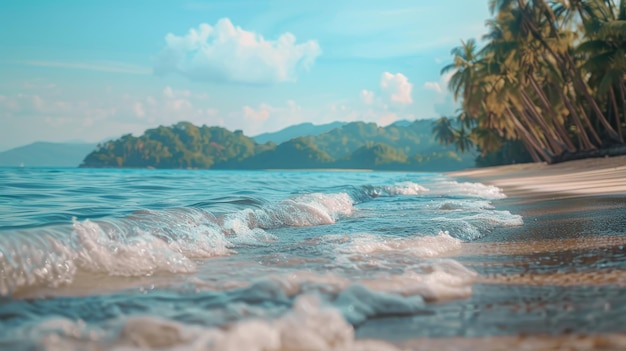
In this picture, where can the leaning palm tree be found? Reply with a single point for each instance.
(462, 139)
(605, 53)
(465, 58)
(443, 131)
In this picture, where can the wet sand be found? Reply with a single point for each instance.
(556, 283)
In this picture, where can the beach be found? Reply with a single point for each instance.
(556, 283)
(523, 257)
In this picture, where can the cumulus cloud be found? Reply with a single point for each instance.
(434, 86)
(443, 103)
(397, 87)
(259, 115)
(227, 53)
(367, 96)
(26, 117)
(266, 117)
(384, 106)
(440, 86)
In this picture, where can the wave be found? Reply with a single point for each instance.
(368, 192)
(465, 189)
(309, 323)
(174, 240)
(420, 246)
(279, 312)
(150, 242)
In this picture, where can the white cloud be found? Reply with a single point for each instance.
(434, 86)
(385, 106)
(397, 87)
(367, 96)
(266, 117)
(139, 110)
(259, 115)
(440, 86)
(26, 117)
(443, 102)
(226, 53)
(387, 119)
(170, 93)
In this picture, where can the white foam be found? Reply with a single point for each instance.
(455, 188)
(309, 325)
(437, 280)
(150, 242)
(298, 211)
(401, 188)
(143, 254)
(420, 246)
(473, 225)
(40, 261)
(405, 188)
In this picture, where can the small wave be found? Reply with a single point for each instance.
(420, 246)
(456, 189)
(324, 307)
(368, 192)
(309, 322)
(470, 225)
(150, 242)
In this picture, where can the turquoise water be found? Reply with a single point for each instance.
(125, 259)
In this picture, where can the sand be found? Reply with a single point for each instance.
(592, 177)
(556, 283)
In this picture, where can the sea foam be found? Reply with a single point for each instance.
(150, 242)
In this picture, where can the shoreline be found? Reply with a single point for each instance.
(555, 283)
(580, 178)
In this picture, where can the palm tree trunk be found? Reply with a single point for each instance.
(579, 84)
(530, 150)
(557, 146)
(616, 113)
(586, 143)
(560, 129)
(622, 95)
(565, 62)
(532, 141)
(587, 120)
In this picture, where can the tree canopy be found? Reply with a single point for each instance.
(409, 146)
(549, 79)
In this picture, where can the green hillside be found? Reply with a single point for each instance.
(406, 146)
(182, 145)
(298, 130)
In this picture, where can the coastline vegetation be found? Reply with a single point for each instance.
(547, 84)
(356, 145)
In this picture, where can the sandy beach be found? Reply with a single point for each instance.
(591, 177)
(556, 283)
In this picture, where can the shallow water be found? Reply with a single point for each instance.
(124, 259)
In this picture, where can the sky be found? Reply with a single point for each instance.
(75, 70)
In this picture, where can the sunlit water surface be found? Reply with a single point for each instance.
(124, 259)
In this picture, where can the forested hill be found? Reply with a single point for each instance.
(354, 145)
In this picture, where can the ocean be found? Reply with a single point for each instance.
(94, 259)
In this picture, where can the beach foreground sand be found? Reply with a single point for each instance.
(556, 283)
(591, 177)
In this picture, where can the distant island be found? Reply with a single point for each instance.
(356, 145)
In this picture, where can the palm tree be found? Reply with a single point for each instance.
(605, 52)
(443, 131)
(531, 83)
(464, 67)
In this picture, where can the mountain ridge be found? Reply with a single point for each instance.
(297, 130)
(401, 146)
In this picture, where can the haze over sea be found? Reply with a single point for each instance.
(224, 260)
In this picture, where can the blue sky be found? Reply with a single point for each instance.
(91, 70)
